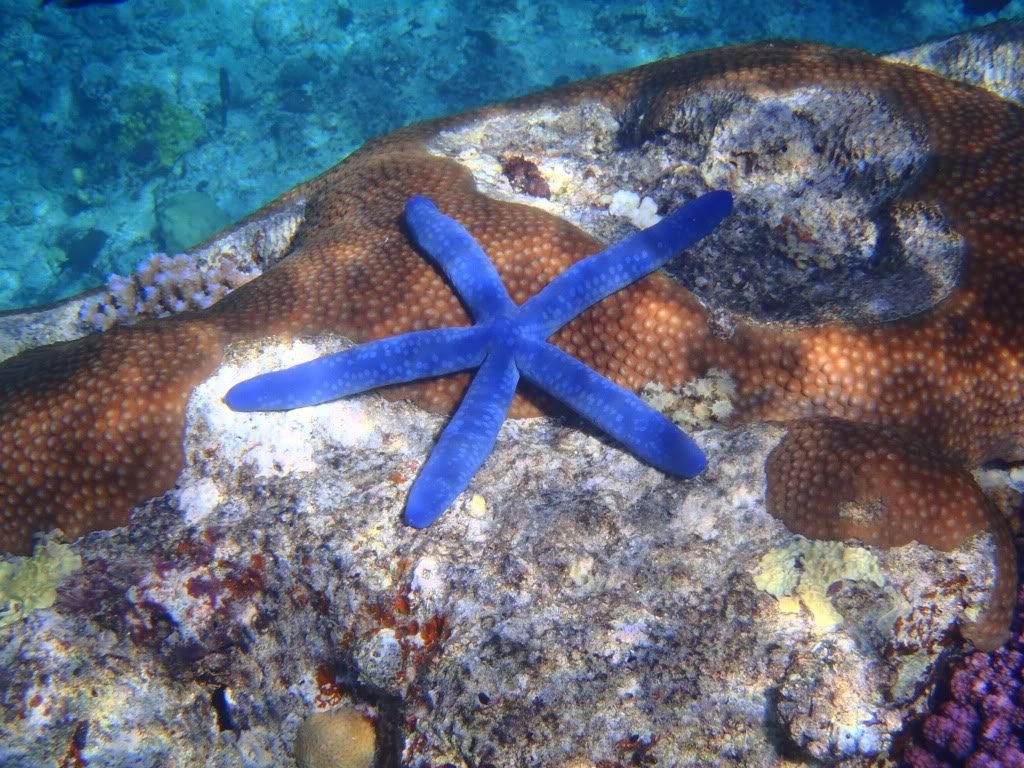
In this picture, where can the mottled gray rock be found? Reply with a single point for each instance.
(815, 235)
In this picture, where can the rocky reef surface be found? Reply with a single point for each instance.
(579, 605)
(575, 608)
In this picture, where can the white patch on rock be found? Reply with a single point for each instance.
(641, 212)
(426, 577)
(280, 442)
(198, 500)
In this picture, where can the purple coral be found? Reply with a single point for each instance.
(980, 721)
(163, 285)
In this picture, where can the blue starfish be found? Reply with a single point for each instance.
(504, 342)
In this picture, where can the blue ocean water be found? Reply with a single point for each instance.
(147, 125)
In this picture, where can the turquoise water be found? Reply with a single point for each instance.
(147, 126)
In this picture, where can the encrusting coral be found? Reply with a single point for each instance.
(91, 428)
(30, 583)
(164, 285)
(342, 739)
(804, 571)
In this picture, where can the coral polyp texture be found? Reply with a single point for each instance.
(505, 342)
(918, 198)
(164, 285)
(979, 721)
(830, 479)
(343, 739)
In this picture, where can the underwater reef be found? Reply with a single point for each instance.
(846, 339)
(112, 111)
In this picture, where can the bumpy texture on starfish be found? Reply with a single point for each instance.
(505, 341)
(89, 429)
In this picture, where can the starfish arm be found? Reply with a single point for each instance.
(465, 442)
(588, 281)
(615, 410)
(395, 360)
(452, 248)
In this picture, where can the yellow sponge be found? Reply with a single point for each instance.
(29, 583)
(805, 569)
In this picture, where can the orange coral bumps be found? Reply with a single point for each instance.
(91, 428)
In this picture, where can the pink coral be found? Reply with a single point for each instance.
(979, 722)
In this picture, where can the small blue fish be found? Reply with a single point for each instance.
(978, 7)
(80, 3)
